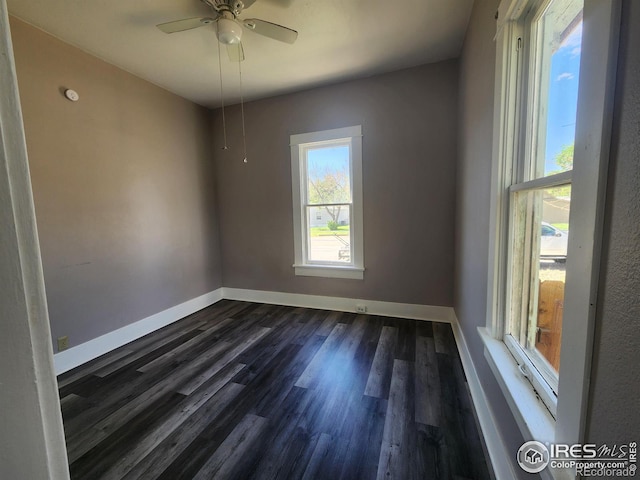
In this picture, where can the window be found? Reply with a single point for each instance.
(539, 203)
(326, 169)
(553, 99)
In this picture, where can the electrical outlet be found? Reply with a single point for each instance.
(63, 343)
(361, 308)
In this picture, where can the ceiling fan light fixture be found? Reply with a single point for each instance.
(229, 31)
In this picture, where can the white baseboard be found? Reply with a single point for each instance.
(87, 351)
(503, 467)
(374, 307)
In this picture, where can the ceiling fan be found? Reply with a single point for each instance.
(229, 26)
(229, 33)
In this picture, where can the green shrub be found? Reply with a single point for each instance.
(332, 225)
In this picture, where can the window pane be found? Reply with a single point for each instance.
(328, 175)
(540, 240)
(558, 47)
(329, 234)
(556, 204)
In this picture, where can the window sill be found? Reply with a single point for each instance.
(329, 271)
(531, 415)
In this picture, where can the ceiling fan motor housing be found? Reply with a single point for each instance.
(229, 31)
(233, 6)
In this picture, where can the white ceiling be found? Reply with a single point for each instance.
(338, 40)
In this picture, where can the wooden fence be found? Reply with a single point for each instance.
(550, 307)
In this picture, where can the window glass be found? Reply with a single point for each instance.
(330, 241)
(328, 175)
(540, 210)
(558, 47)
(542, 235)
(328, 209)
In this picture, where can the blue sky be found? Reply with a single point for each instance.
(329, 159)
(563, 97)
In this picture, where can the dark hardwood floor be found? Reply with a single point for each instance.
(242, 391)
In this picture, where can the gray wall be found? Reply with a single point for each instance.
(473, 185)
(613, 414)
(615, 386)
(124, 189)
(409, 120)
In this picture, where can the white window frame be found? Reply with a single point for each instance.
(299, 143)
(565, 422)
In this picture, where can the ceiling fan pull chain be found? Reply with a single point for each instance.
(244, 135)
(224, 121)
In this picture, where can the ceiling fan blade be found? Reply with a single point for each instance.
(281, 3)
(235, 52)
(271, 30)
(248, 3)
(185, 24)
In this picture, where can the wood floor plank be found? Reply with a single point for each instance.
(113, 447)
(297, 459)
(317, 363)
(366, 440)
(169, 449)
(277, 381)
(318, 457)
(285, 435)
(232, 450)
(290, 331)
(460, 462)
(254, 394)
(476, 448)
(80, 428)
(173, 420)
(443, 338)
(252, 391)
(227, 358)
(428, 392)
(310, 326)
(432, 453)
(294, 440)
(329, 323)
(340, 368)
(203, 318)
(261, 314)
(177, 338)
(340, 393)
(276, 314)
(395, 454)
(406, 345)
(171, 383)
(296, 450)
(101, 362)
(72, 405)
(424, 329)
(197, 320)
(168, 357)
(380, 375)
(95, 364)
(126, 400)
